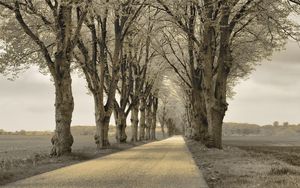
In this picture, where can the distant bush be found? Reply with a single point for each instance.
(22, 132)
(276, 124)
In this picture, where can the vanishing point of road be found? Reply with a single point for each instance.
(163, 164)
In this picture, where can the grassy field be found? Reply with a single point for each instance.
(261, 140)
(251, 161)
(24, 156)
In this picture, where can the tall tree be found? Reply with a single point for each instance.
(57, 18)
(224, 27)
(102, 61)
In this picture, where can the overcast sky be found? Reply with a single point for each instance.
(271, 93)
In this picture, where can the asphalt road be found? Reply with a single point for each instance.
(162, 164)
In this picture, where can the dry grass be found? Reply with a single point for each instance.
(255, 167)
(279, 171)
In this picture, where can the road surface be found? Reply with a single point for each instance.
(163, 164)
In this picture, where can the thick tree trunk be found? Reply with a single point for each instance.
(199, 117)
(162, 120)
(102, 124)
(135, 122)
(216, 84)
(121, 136)
(216, 121)
(153, 129)
(102, 128)
(198, 127)
(217, 107)
(171, 127)
(62, 140)
(142, 119)
(149, 117)
(154, 118)
(188, 125)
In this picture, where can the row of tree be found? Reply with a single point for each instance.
(212, 44)
(126, 50)
(109, 42)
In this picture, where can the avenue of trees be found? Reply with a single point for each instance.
(169, 61)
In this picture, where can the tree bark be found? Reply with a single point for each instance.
(102, 123)
(199, 117)
(198, 127)
(142, 119)
(216, 120)
(102, 128)
(154, 118)
(188, 126)
(162, 124)
(149, 117)
(171, 127)
(135, 122)
(62, 140)
(162, 119)
(121, 136)
(216, 84)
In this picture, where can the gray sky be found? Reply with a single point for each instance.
(28, 102)
(271, 93)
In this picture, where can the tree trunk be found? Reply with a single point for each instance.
(142, 118)
(153, 128)
(198, 127)
(102, 128)
(102, 124)
(199, 117)
(149, 117)
(162, 119)
(154, 117)
(135, 122)
(216, 92)
(215, 129)
(62, 140)
(163, 129)
(121, 136)
(189, 124)
(171, 127)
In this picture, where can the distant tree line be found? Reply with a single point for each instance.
(25, 133)
(244, 129)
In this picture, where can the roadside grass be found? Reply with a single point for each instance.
(248, 166)
(16, 169)
(25, 156)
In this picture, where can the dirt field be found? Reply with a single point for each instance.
(25, 156)
(256, 162)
